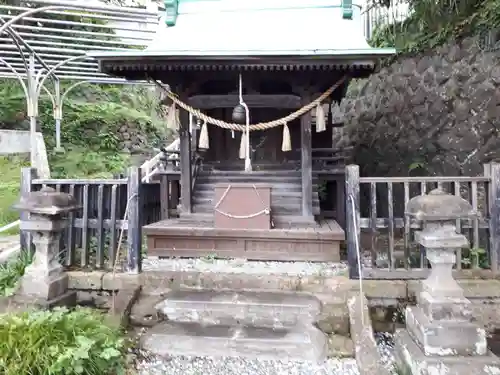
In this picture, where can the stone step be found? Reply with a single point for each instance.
(256, 308)
(301, 343)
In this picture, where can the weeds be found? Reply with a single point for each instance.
(12, 271)
(61, 342)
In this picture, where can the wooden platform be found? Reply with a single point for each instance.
(286, 242)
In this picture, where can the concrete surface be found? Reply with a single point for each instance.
(18, 142)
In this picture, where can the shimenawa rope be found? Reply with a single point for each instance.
(259, 126)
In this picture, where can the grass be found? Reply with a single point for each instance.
(10, 172)
(61, 342)
(12, 271)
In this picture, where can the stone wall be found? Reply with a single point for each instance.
(435, 113)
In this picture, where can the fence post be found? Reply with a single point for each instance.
(134, 232)
(27, 177)
(492, 171)
(352, 219)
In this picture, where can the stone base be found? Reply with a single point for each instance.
(35, 286)
(445, 308)
(445, 338)
(411, 360)
(193, 339)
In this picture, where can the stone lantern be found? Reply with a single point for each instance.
(44, 282)
(440, 336)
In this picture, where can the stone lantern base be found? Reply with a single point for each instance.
(441, 336)
(45, 284)
(412, 360)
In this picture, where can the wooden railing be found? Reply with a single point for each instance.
(384, 233)
(106, 232)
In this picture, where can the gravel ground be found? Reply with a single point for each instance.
(385, 344)
(244, 266)
(241, 366)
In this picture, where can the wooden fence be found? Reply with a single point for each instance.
(376, 223)
(106, 231)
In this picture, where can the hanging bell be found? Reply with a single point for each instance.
(239, 114)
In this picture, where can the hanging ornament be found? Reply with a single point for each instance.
(337, 115)
(239, 114)
(203, 142)
(243, 146)
(320, 118)
(286, 145)
(173, 117)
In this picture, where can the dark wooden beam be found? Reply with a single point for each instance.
(306, 158)
(185, 160)
(253, 101)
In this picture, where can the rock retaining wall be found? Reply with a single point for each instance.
(437, 113)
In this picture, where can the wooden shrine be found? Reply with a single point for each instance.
(212, 67)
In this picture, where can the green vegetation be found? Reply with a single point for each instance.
(432, 23)
(9, 189)
(61, 342)
(93, 121)
(11, 272)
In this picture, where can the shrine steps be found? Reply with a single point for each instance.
(286, 190)
(227, 323)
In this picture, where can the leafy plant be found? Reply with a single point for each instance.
(61, 342)
(432, 23)
(12, 271)
(78, 162)
(475, 258)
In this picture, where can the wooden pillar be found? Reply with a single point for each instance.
(194, 135)
(185, 161)
(306, 160)
(165, 196)
(353, 231)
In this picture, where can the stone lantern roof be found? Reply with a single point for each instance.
(439, 206)
(47, 201)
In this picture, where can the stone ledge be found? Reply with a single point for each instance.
(366, 351)
(327, 288)
(85, 280)
(473, 289)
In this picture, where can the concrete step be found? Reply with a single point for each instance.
(301, 343)
(256, 308)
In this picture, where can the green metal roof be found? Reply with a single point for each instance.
(194, 29)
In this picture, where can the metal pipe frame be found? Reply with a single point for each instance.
(50, 57)
(53, 45)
